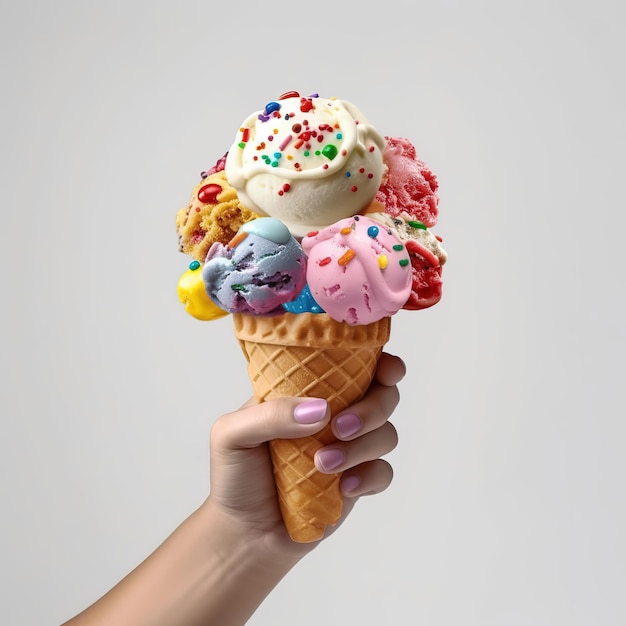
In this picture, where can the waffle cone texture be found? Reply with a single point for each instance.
(309, 355)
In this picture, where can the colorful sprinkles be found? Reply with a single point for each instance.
(373, 232)
(296, 145)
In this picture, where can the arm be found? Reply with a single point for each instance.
(226, 557)
(204, 573)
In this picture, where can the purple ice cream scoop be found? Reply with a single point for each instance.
(259, 270)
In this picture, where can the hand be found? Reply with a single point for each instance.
(223, 560)
(242, 484)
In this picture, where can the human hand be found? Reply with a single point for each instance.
(224, 559)
(243, 493)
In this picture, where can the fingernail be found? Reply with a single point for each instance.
(350, 482)
(330, 458)
(310, 411)
(347, 424)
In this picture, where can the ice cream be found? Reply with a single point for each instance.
(357, 270)
(408, 185)
(427, 258)
(343, 244)
(259, 270)
(192, 293)
(307, 161)
(214, 213)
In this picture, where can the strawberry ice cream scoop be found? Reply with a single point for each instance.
(408, 185)
(358, 271)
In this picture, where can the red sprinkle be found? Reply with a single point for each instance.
(354, 188)
(325, 261)
(289, 94)
(312, 233)
(413, 247)
(208, 193)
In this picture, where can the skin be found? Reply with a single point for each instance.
(228, 555)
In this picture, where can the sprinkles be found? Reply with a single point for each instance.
(237, 239)
(297, 134)
(208, 193)
(345, 258)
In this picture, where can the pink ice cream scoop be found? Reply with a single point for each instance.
(408, 186)
(358, 271)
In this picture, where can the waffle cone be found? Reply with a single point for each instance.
(308, 355)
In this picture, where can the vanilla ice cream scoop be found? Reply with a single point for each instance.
(307, 161)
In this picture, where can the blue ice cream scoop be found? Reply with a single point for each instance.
(259, 270)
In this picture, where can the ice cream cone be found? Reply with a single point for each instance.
(295, 355)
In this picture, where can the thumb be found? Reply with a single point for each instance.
(281, 418)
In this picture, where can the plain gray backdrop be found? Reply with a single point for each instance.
(507, 505)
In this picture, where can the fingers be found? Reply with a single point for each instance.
(377, 405)
(283, 418)
(364, 434)
(367, 479)
(256, 422)
(390, 370)
(344, 455)
(362, 430)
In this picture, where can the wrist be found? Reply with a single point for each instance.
(243, 564)
(232, 541)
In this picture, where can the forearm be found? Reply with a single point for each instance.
(202, 574)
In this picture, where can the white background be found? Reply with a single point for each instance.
(507, 506)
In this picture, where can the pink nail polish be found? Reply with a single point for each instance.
(311, 411)
(350, 482)
(330, 458)
(347, 424)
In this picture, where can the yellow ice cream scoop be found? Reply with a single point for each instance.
(193, 295)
